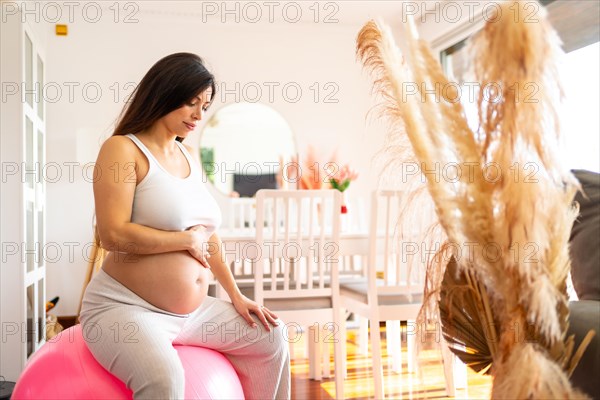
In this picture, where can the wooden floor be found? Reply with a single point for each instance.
(359, 383)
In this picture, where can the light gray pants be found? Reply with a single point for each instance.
(133, 340)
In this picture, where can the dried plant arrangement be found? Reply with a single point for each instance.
(499, 283)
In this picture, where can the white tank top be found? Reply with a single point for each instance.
(164, 201)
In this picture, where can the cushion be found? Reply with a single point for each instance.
(585, 238)
(296, 303)
(359, 288)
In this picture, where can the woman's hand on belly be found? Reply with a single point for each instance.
(174, 281)
(199, 244)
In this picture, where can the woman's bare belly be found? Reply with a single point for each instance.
(175, 282)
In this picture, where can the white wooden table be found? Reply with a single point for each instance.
(239, 245)
(236, 242)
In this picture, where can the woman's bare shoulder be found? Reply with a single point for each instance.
(118, 146)
(118, 141)
(118, 158)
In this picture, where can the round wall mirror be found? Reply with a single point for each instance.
(243, 147)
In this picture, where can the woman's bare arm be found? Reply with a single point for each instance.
(242, 304)
(223, 274)
(220, 269)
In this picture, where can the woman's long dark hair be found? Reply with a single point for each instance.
(170, 83)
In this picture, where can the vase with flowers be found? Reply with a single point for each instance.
(340, 180)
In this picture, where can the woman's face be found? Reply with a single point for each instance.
(184, 120)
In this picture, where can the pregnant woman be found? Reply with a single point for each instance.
(159, 223)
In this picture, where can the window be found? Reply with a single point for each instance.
(578, 25)
(581, 126)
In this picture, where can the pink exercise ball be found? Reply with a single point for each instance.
(64, 369)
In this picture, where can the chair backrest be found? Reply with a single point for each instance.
(241, 220)
(297, 243)
(242, 214)
(397, 252)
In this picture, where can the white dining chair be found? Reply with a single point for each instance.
(393, 288)
(296, 267)
(239, 219)
(242, 213)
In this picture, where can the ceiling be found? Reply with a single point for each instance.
(256, 12)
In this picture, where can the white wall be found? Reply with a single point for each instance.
(108, 53)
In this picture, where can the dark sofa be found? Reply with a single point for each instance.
(585, 273)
